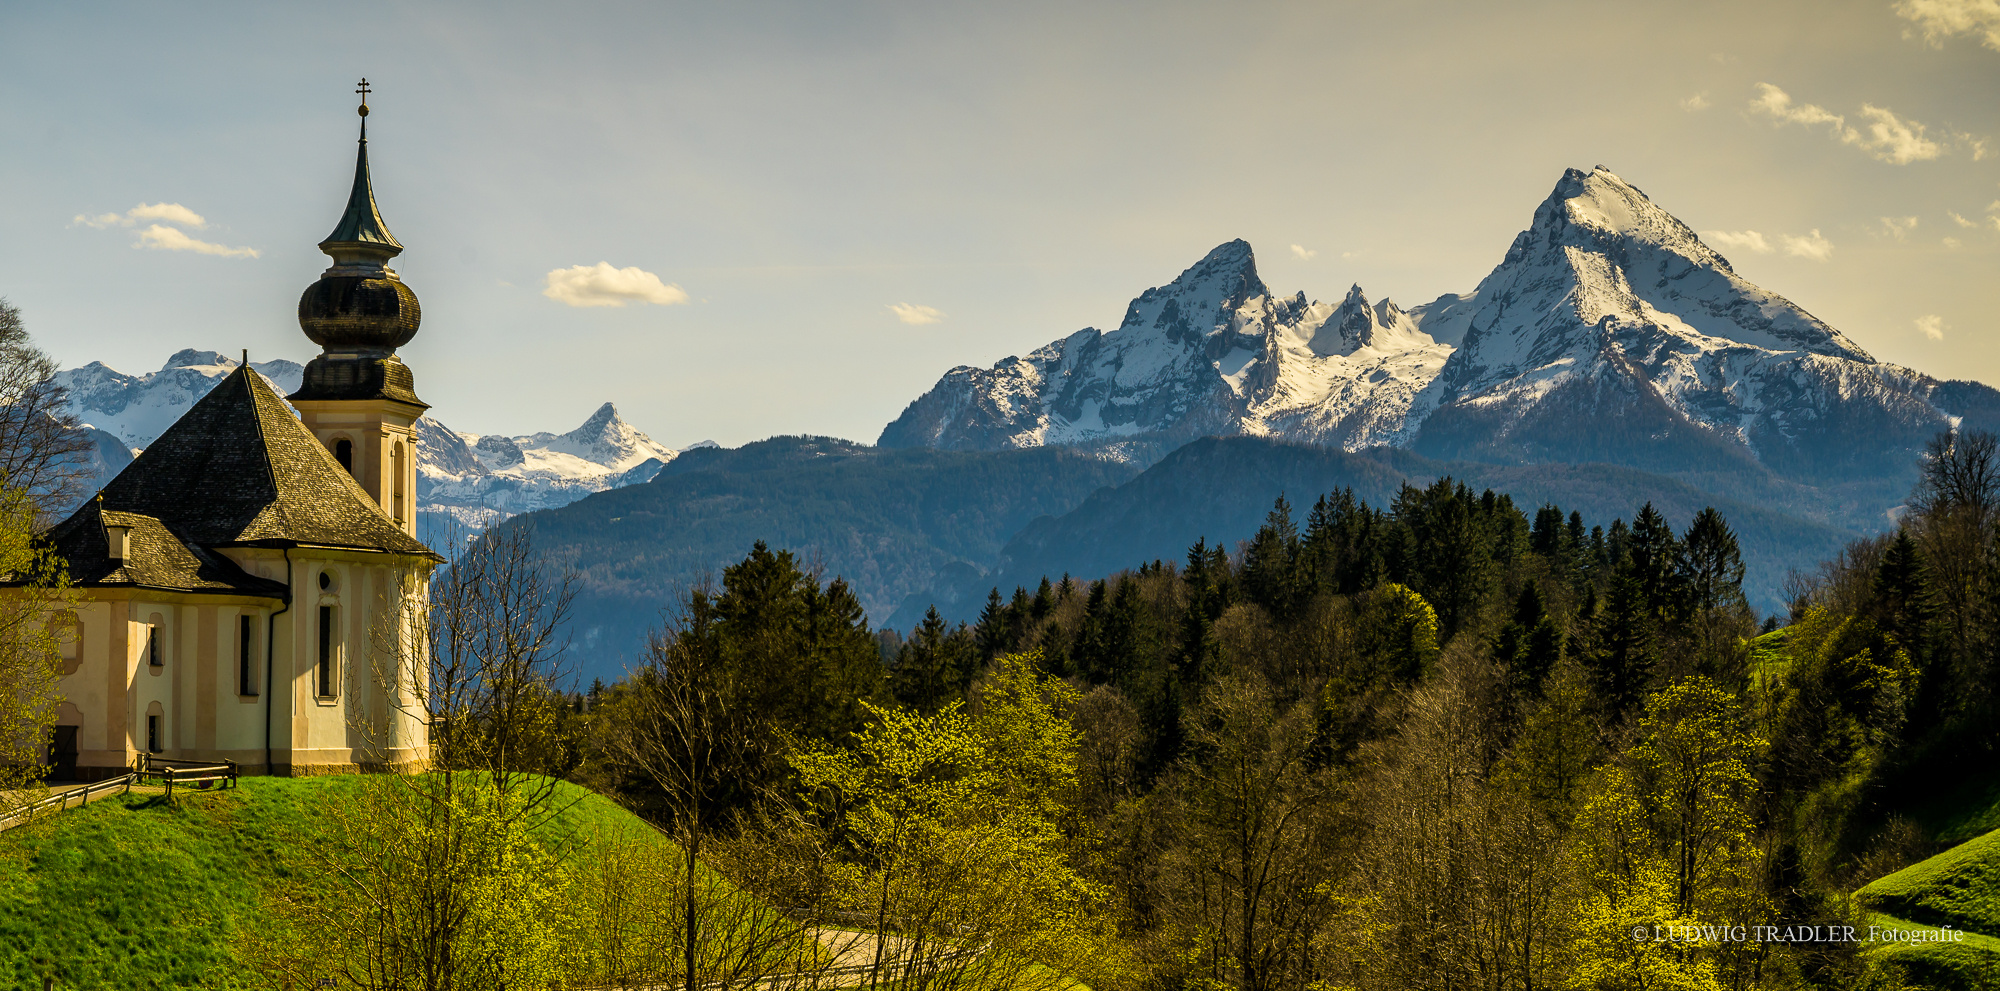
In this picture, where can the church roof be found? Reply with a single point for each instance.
(238, 470)
(158, 559)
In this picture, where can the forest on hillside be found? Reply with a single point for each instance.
(1446, 742)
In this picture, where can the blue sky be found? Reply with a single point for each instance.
(801, 179)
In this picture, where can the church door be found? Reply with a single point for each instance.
(62, 754)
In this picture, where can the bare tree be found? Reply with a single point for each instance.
(41, 448)
(443, 880)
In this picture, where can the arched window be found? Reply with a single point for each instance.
(343, 452)
(156, 648)
(329, 645)
(68, 630)
(396, 457)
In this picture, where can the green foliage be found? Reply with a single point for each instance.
(954, 829)
(134, 892)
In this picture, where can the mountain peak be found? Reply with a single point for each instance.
(1199, 299)
(194, 358)
(599, 422)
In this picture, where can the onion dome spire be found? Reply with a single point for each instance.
(359, 312)
(361, 238)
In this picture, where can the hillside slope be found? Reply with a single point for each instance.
(133, 892)
(1959, 888)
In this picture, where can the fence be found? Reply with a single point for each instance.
(147, 768)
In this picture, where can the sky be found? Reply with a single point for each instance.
(747, 219)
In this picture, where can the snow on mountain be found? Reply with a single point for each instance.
(1211, 352)
(479, 478)
(139, 408)
(1608, 332)
(476, 479)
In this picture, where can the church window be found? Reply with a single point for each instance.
(396, 467)
(245, 683)
(153, 658)
(153, 734)
(328, 683)
(68, 630)
(343, 452)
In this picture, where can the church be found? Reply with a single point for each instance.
(251, 588)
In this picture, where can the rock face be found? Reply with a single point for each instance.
(1609, 332)
(472, 478)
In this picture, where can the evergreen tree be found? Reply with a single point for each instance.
(1711, 569)
(1270, 563)
(1530, 645)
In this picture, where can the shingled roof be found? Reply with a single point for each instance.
(158, 559)
(238, 470)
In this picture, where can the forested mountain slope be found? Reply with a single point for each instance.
(1220, 489)
(891, 522)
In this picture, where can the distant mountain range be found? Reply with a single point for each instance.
(1608, 333)
(472, 478)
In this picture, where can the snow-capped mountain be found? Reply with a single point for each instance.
(1609, 332)
(476, 479)
(139, 408)
(479, 478)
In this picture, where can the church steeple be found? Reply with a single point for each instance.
(361, 234)
(357, 396)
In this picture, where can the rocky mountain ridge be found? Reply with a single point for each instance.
(1609, 332)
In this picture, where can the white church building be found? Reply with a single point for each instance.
(251, 587)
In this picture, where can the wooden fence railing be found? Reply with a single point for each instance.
(73, 798)
(148, 769)
(185, 772)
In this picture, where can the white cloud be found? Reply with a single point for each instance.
(1932, 326)
(1811, 246)
(1899, 227)
(602, 285)
(1699, 101)
(1303, 253)
(172, 213)
(1750, 241)
(1952, 243)
(171, 239)
(1941, 19)
(1961, 221)
(915, 314)
(1893, 139)
(1883, 134)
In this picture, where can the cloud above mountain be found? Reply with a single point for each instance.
(162, 238)
(603, 285)
(1881, 133)
(1811, 245)
(171, 239)
(172, 213)
(1941, 19)
(913, 313)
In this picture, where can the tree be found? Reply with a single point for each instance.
(934, 666)
(42, 451)
(32, 632)
(684, 724)
(1255, 828)
(437, 880)
(954, 832)
(1711, 569)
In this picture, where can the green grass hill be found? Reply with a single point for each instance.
(134, 892)
(1959, 888)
